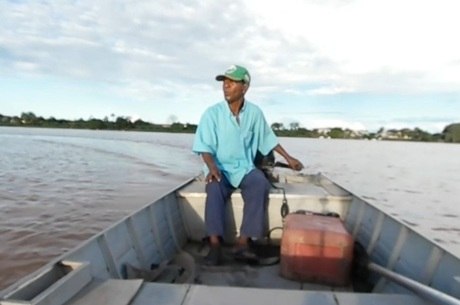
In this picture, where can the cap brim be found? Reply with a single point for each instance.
(222, 77)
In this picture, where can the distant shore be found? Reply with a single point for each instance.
(450, 134)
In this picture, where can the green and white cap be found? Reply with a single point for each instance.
(236, 73)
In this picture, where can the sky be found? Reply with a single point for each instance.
(361, 64)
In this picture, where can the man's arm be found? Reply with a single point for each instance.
(292, 162)
(214, 172)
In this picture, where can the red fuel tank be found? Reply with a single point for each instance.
(316, 248)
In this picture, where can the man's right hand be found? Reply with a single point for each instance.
(214, 174)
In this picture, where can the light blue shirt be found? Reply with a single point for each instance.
(234, 145)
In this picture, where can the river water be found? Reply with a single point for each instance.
(60, 186)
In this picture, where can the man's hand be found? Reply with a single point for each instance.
(294, 164)
(214, 174)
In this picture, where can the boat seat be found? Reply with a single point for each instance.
(172, 294)
(113, 292)
(187, 294)
(52, 285)
(299, 196)
(292, 190)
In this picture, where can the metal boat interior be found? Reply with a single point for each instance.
(155, 256)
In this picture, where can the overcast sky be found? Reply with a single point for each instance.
(359, 64)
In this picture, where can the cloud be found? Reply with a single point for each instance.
(361, 39)
(331, 90)
(331, 42)
(169, 52)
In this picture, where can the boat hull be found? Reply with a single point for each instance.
(157, 232)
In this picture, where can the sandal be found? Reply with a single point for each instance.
(246, 255)
(214, 257)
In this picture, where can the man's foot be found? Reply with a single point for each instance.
(214, 257)
(245, 254)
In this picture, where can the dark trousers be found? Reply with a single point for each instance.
(254, 190)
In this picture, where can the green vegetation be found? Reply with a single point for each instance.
(450, 134)
(29, 119)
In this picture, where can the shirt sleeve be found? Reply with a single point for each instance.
(205, 136)
(268, 139)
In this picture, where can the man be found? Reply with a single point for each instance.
(228, 137)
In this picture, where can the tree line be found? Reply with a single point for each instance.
(450, 134)
(29, 119)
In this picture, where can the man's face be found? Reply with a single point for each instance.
(233, 90)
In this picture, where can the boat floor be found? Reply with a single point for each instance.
(232, 273)
(228, 284)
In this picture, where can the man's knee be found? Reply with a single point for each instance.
(212, 187)
(256, 183)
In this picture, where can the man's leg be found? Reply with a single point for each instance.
(254, 189)
(217, 195)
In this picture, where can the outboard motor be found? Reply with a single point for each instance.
(266, 164)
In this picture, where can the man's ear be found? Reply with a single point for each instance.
(246, 87)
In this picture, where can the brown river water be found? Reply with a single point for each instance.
(59, 187)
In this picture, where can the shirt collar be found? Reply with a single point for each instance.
(227, 107)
